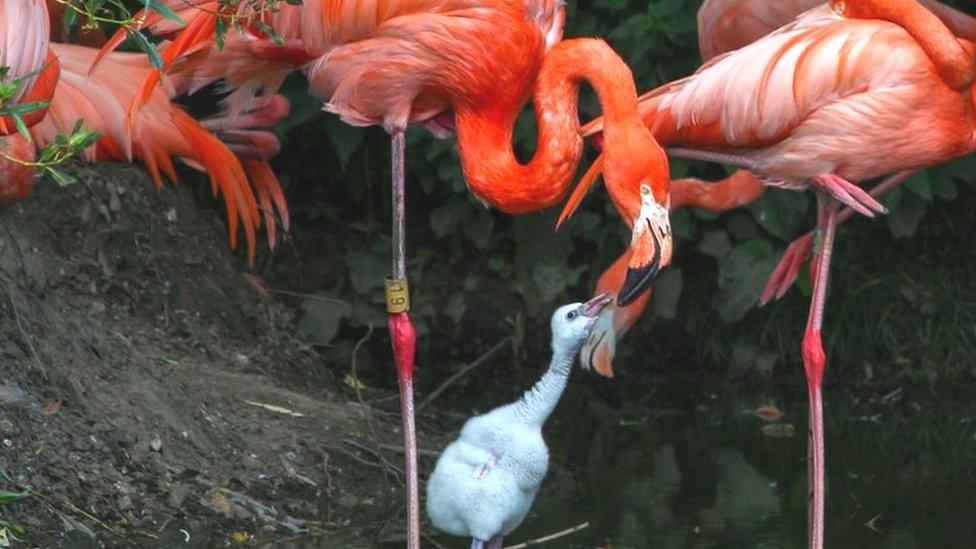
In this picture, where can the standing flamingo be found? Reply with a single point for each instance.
(835, 97)
(484, 482)
(726, 25)
(396, 63)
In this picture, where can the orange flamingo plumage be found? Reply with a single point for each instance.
(396, 63)
(845, 93)
(160, 133)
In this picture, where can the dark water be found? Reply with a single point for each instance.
(688, 467)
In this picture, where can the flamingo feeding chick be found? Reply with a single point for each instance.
(485, 481)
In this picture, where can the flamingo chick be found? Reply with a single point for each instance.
(485, 481)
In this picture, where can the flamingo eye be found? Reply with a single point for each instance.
(571, 315)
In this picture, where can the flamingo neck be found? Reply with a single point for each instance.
(537, 404)
(954, 62)
(485, 133)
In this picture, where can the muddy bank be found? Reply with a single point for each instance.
(151, 392)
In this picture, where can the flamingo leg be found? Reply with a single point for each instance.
(496, 542)
(814, 360)
(403, 339)
(800, 249)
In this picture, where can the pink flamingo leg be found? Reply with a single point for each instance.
(800, 249)
(403, 338)
(814, 360)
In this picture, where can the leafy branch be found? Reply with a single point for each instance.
(60, 149)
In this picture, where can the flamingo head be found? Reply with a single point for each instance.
(596, 356)
(572, 324)
(635, 170)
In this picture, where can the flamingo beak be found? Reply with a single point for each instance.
(596, 358)
(652, 244)
(593, 307)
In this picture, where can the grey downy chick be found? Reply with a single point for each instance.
(484, 483)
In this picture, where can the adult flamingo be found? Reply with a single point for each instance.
(726, 25)
(396, 63)
(824, 101)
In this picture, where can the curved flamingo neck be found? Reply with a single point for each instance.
(485, 134)
(955, 63)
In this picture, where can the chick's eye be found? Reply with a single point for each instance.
(571, 315)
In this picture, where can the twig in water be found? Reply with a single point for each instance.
(464, 371)
(432, 541)
(550, 537)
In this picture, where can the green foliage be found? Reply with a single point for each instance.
(60, 149)
(475, 272)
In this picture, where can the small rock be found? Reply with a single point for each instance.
(125, 503)
(156, 443)
(178, 494)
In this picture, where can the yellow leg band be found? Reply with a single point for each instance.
(397, 295)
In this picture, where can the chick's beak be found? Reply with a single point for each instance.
(592, 308)
(651, 243)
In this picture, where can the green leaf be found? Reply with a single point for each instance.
(918, 184)
(667, 294)
(366, 271)
(346, 140)
(63, 179)
(903, 220)
(163, 9)
(445, 219)
(478, 228)
(715, 244)
(146, 46)
(741, 278)
(779, 212)
(7, 496)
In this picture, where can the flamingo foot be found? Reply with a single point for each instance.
(787, 269)
(849, 194)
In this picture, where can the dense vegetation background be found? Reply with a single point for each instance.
(901, 305)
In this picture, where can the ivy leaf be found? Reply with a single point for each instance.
(478, 228)
(667, 294)
(445, 219)
(918, 184)
(345, 139)
(779, 212)
(741, 278)
(366, 271)
(903, 220)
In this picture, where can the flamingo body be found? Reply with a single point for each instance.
(484, 483)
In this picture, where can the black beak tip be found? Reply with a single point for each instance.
(636, 282)
(605, 388)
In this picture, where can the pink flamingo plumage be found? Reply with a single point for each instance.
(396, 63)
(726, 25)
(837, 96)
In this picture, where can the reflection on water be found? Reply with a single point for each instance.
(696, 470)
